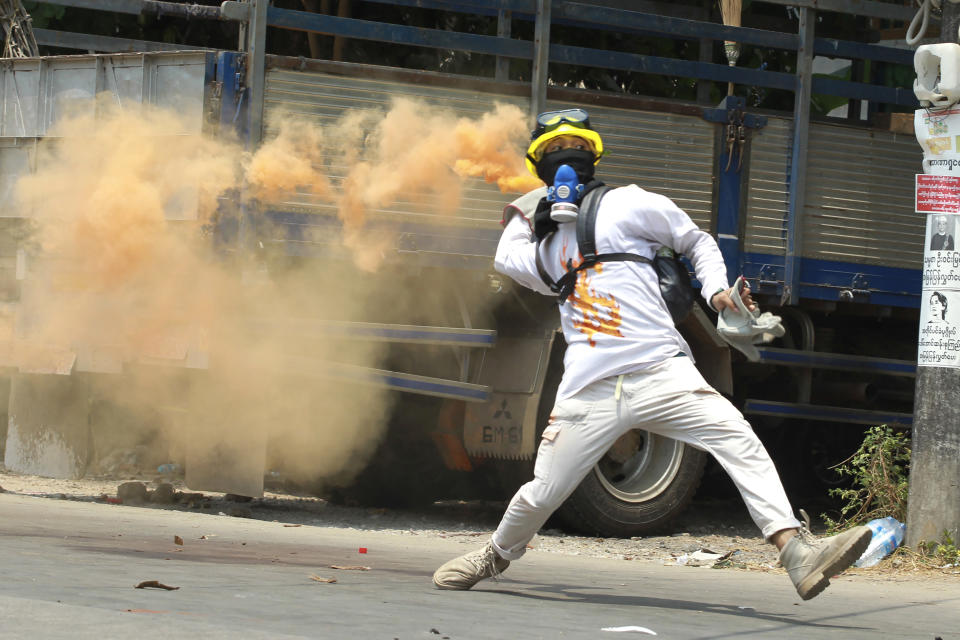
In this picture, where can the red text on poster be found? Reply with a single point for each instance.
(938, 194)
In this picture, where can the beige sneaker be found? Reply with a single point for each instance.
(469, 569)
(811, 562)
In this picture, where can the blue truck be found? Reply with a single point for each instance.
(815, 211)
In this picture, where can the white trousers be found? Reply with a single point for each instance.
(670, 399)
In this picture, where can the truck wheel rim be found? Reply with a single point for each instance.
(646, 474)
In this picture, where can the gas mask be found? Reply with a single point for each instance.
(566, 171)
(564, 194)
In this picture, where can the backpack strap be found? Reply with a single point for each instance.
(564, 286)
(547, 280)
(587, 222)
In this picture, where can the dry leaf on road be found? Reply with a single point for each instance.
(153, 584)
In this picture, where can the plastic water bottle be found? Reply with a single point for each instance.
(169, 468)
(887, 536)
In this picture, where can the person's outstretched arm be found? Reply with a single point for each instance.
(516, 254)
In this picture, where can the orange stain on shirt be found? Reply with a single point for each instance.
(601, 313)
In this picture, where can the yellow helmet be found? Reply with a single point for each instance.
(553, 124)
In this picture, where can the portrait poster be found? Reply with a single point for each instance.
(939, 337)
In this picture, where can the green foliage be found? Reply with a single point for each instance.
(942, 553)
(43, 14)
(879, 479)
(823, 104)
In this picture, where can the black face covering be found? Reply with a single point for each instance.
(543, 224)
(580, 160)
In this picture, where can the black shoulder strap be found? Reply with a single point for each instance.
(587, 222)
(547, 280)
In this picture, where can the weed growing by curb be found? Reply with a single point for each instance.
(879, 470)
(944, 553)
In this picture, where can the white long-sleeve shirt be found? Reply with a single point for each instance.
(615, 321)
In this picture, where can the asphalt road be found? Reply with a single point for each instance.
(69, 571)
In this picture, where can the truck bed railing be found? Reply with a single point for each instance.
(837, 361)
(399, 333)
(826, 414)
(582, 14)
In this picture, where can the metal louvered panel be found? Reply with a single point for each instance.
(36, 92)
(767, 196)
(859, 199)
(666, 153)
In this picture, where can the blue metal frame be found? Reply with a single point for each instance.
(827, 414)
(566, 54)
(826, 279)
(837, 361)
(234, 98)
(421, 334)
(233, 117)
(398, 34)
(859, 91)
(730, 113)
(415, 384)
(443, 336)
(478, 7)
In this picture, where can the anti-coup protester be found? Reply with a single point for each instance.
(626, 365)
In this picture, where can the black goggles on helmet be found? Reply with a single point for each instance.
(550, 120)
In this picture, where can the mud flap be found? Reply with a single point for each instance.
(506, 426)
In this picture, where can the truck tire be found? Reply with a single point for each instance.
(638, 493)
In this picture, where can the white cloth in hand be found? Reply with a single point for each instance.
(747, 328)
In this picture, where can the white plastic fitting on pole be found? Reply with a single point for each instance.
(938, 74)
(918, 26)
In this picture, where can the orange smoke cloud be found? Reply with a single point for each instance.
(484, 149)
(292, 159)
(420, 154)
(123, 200)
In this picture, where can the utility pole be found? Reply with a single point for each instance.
(934, 501)
(541, 59)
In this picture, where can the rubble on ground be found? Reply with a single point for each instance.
(132, 493)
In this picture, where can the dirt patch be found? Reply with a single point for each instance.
(712, 533)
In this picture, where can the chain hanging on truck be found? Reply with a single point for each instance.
(18, 39)
(736, 138)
